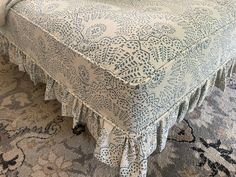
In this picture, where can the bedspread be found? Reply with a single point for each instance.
(128, 69)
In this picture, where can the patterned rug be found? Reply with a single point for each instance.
(35, 141)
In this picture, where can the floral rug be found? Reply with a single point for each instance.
(35, 141)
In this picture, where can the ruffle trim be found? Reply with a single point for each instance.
(114, 146)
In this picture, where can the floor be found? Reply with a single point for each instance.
(36, 141)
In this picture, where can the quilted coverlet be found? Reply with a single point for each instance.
(129, 69)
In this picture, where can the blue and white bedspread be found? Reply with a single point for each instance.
(129, 69)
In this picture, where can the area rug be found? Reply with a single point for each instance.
(36, 141)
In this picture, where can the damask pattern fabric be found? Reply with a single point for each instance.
(135, 68)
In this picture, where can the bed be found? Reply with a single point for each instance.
(128, 69)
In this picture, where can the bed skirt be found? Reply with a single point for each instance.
(114, 146)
